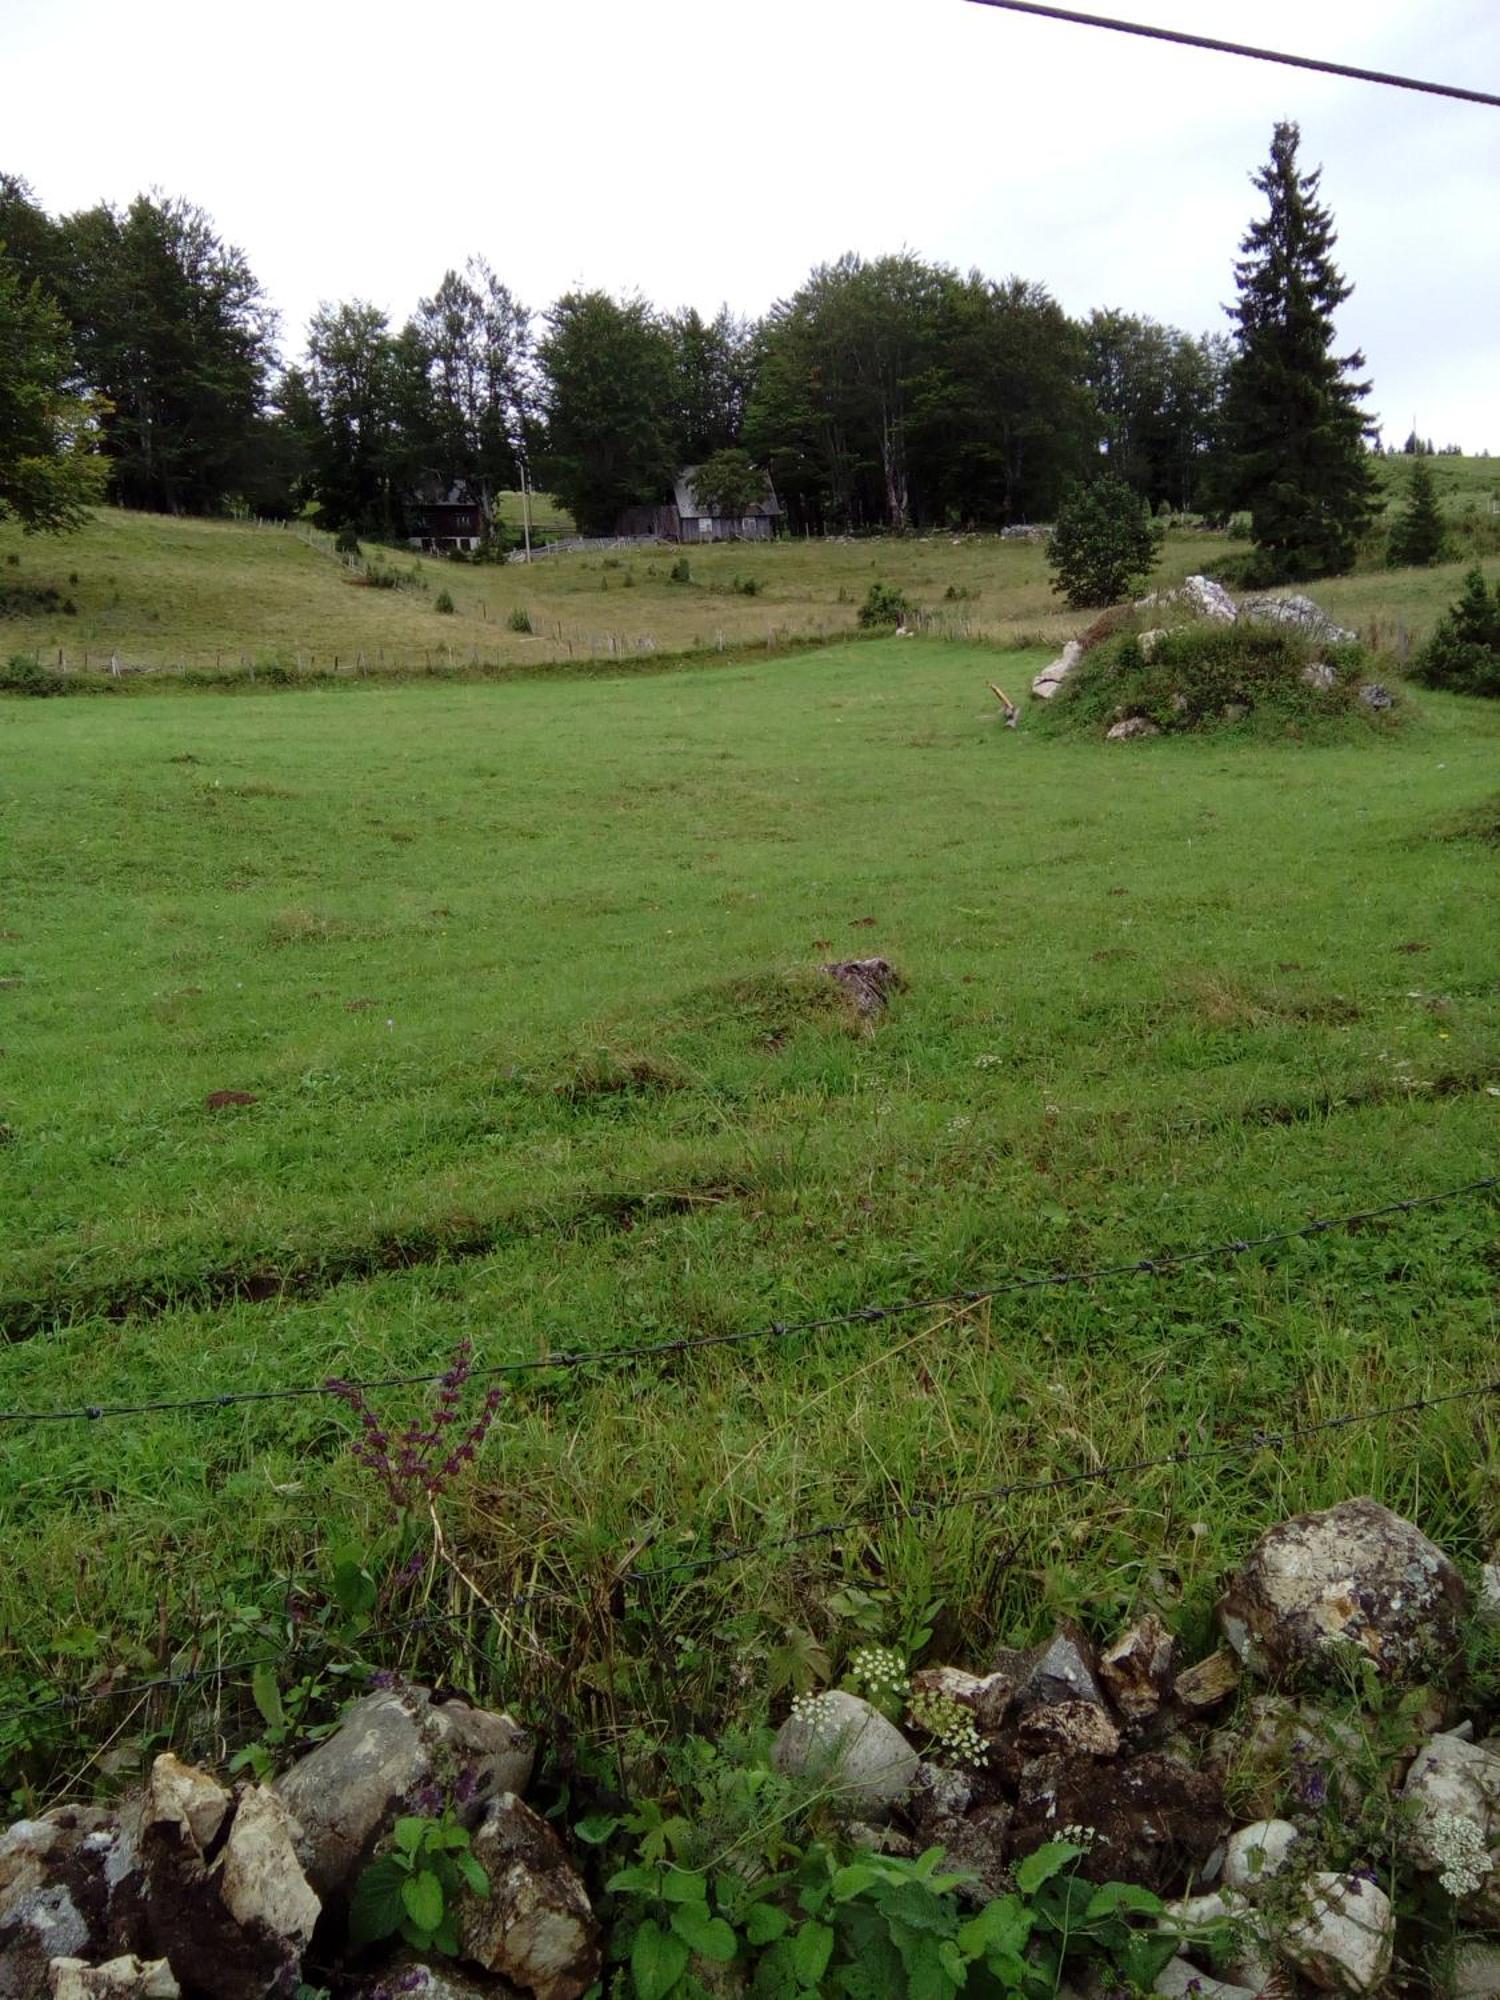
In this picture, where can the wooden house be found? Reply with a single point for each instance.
(684, 518)
(442, 517)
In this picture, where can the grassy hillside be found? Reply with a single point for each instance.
(163, 593)
(520, 985)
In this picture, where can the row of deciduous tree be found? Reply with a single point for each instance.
(884, 393)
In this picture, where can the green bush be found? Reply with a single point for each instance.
(443, 603)
(520, 619)
(1210, 676)
(346, 543)
(1463, 654)
(25, 675)
(884, 605)
(681, 571)
(1104, 545)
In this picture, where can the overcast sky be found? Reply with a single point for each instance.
(715, 151)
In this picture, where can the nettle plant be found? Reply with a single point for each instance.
(413, 1890)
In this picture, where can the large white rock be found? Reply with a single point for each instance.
(1353, 1579)
(1344, 1936)
(1299, 612)
(349, 1791)
(1258, 1853)
(1209, 600)
(126, 1978)
(848, 1746)
(1051, 678)
(261, 1879)
(1180, 1978)
(1131, 729)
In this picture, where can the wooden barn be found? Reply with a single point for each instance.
(684, 519)
(443, 517)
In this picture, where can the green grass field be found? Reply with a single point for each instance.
(523, 982)
(169, 593)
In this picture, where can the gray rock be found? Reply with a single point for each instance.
(1077, 1728)
(1051, 678)
(127, 1978)
(869, 982)
(260, 1877)
(1131, 730)
(1064, 1669)
(1355, 1580)
(848, 1746)
(1373, 695)
(1149, 641)
(349, 1791)
(537, 1928)
(1319, 675)
(1476, 1972)
(1137, 1669)
(1298, 612)
(1257, 1854)
(1344, 1935)
(1207, 599)
(90, 1853)
(43, 1924)
(1236, 711)
(1487, 1598)
(1452, 1819)
(1179, 1977)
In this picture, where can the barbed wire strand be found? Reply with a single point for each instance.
(897, 1509)
(777, 1330)
(1394, 80)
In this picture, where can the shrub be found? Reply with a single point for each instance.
(346, 543)
(1104, 545)
(748, 586)
(680, 572)
(1463, 653)
(884, 605)
(443, 603)
(520, 619)
(25, 675)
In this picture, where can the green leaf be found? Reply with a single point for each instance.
(764, 1923)
(854, 1880)
(474, 1876)
(375, 1908)
(1113, 1898)
(812, 1947)
(267, 1695)
(1044, 1864)
(409, 1832)
(709, 1936)
(353, 1587)
(1002, 1927)
(597, 1828)
(1145, 1954)
(657, 1961)
(422, 1894)
(684, 1885)
(635, 1881)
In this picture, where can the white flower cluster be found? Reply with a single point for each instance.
(1086, 1837)
(988, 1062)
(815, 1710)
(880, 1669)
(950, 1725)
(1459, 1846)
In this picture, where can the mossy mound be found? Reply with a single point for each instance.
(1249, 676)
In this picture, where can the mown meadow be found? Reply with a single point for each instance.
(515, 992)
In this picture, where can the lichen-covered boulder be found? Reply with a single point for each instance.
(127, 1978)
(390, 1749)
(1353, 1583)
(536, 1928)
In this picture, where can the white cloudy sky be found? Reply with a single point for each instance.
(714, 151)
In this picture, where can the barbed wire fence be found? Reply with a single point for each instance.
(643, 1575)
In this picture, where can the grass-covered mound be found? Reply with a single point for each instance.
(1262, 677)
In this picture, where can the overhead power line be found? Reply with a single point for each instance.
(1389, 78)
(776, 1330)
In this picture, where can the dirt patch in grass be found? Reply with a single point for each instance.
(1228, 1003)
(290, 927)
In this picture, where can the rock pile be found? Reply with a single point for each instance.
(194, 1889)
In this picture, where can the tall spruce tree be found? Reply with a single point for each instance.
(1419, 537)
(1294, 429)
